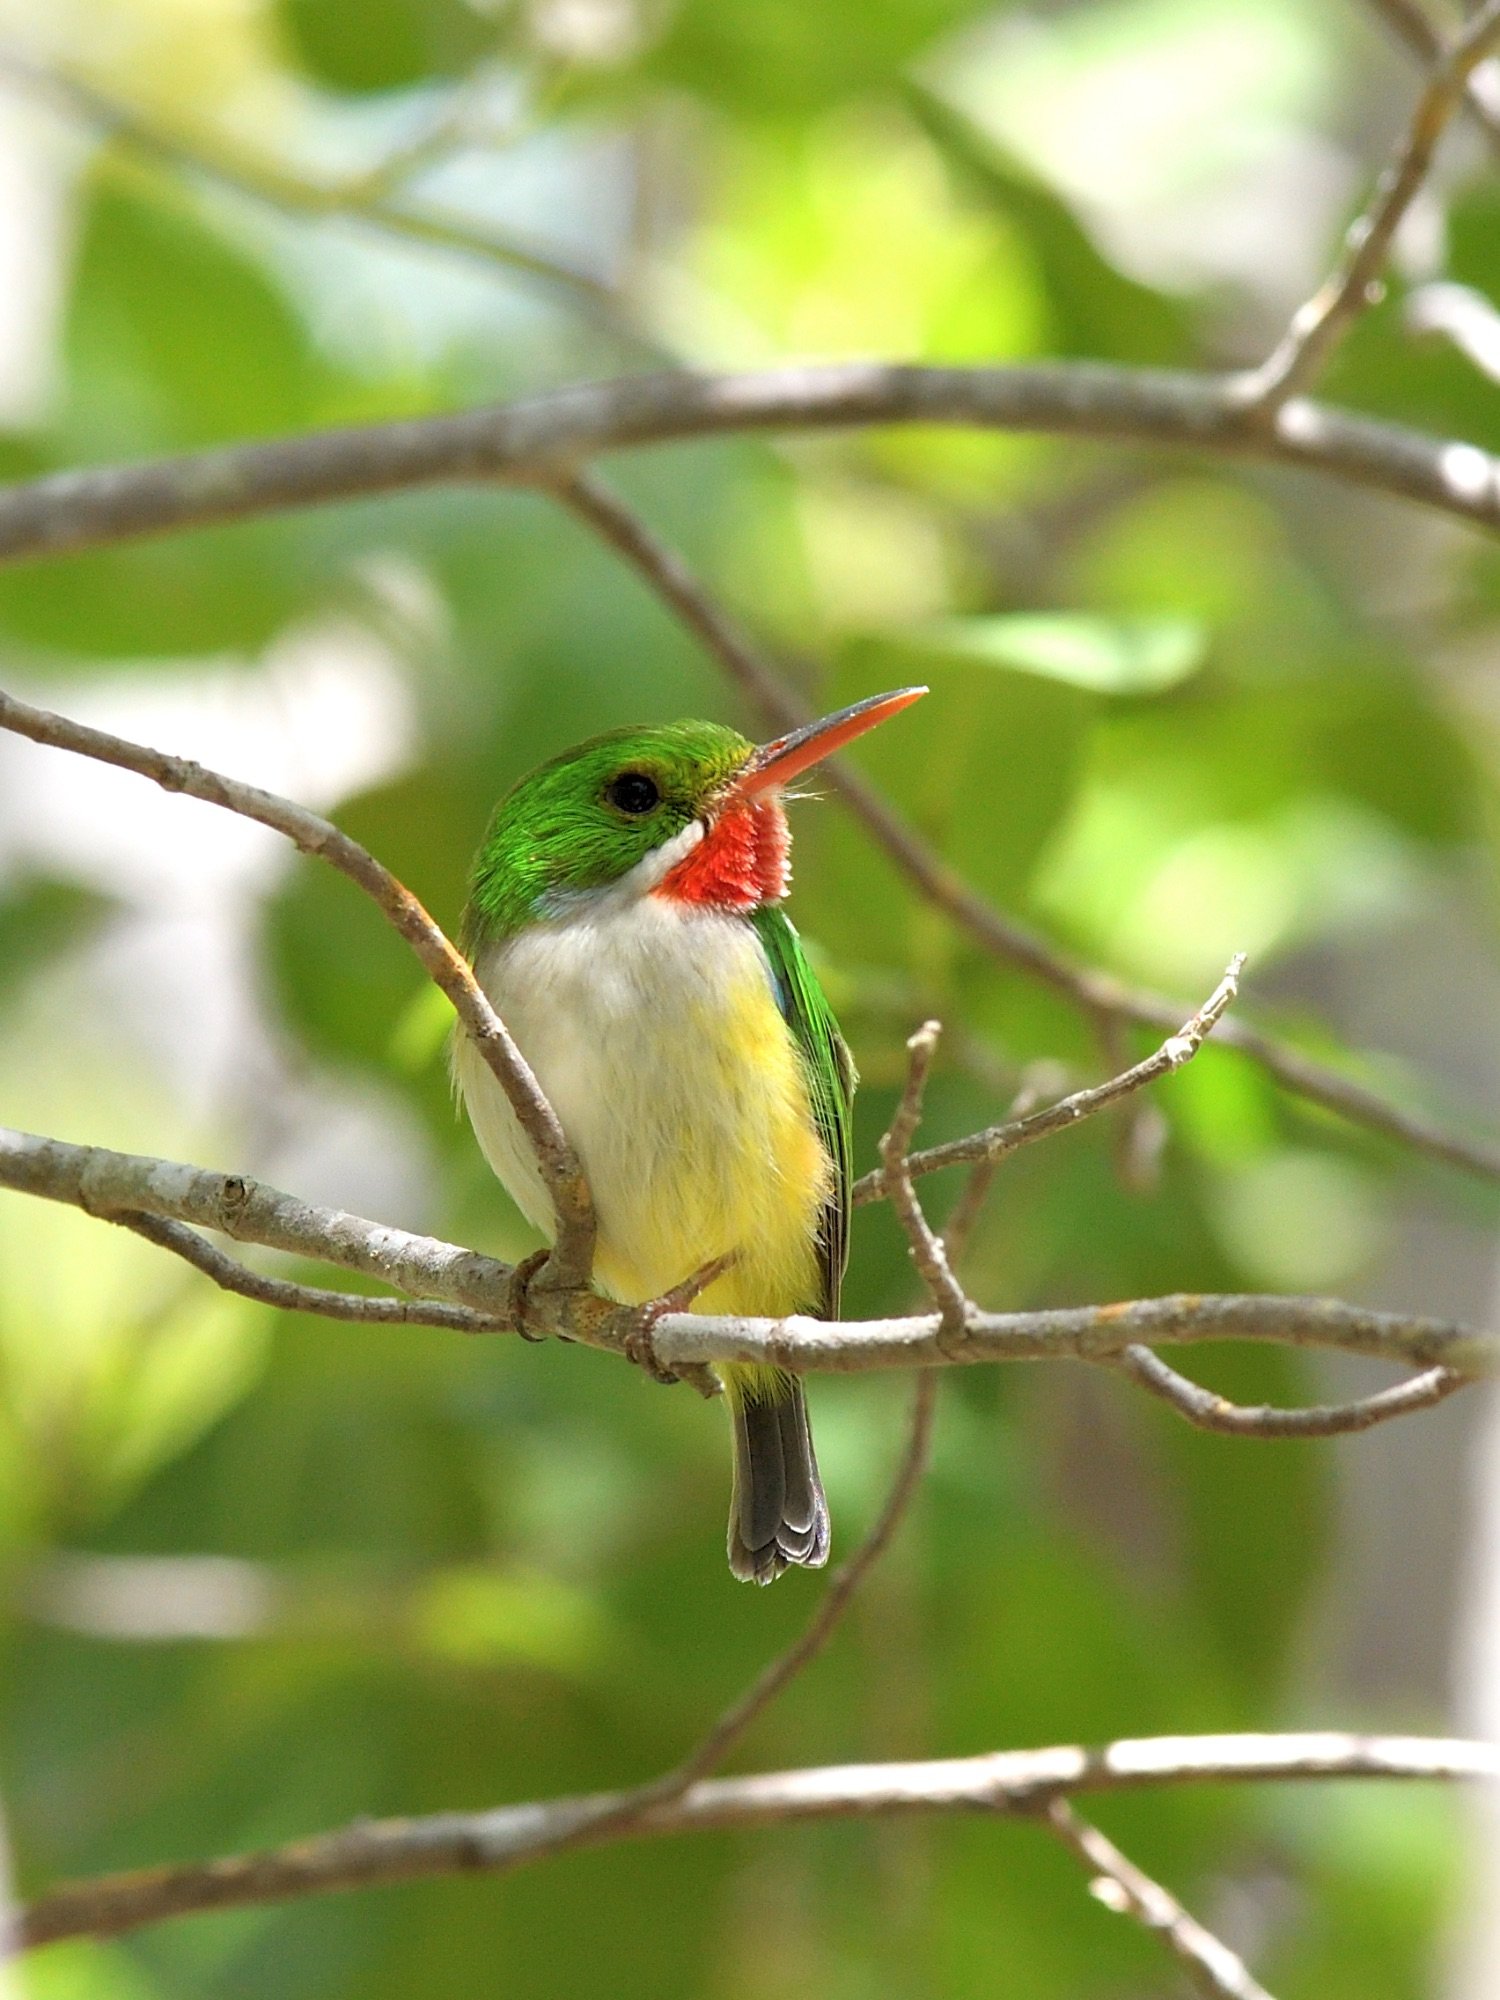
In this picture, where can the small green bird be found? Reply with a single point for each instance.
(625, 919)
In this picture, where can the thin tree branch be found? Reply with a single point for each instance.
(444, 964)
(1080, 1333)
(539, 440)
(1212, 1967)
(373, 1852)
(1410, 25)
(594, 503)
(107, 1184)
(232, 1276)
(928, 1251)
(367, 201)
(1318, 326)
(993, 1144)
(1211, 1412)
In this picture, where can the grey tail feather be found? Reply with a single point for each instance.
(777, 1515)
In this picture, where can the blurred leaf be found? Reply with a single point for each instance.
(174, 338)
(1125, 656)
(1381, 1871)
(385, 44)
(1095, 309)
(38, 918)
(485, 1616)
(782, 59)
(846, 238)
(346, 979)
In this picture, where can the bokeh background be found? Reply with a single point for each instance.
(261, 1575)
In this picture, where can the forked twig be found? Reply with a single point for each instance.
(928, 1252)
(1353, 284)
(997, 1141)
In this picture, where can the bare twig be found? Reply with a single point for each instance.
(538, 440)
(1211, 1412)
(1319, 325)
(107, 1184)
(373, 1852)
(442, 961)
(928, 1251)
(452, 124)
(997, 1141)
(1213, 1968)
(369, 201)
(600, 508)
(111, 1185)
(1080, 1333)
(1410, 25)
(842, 1587)
(232, 1276)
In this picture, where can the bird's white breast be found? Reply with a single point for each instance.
(654, 1031)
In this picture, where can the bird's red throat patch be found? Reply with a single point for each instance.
(742, 861)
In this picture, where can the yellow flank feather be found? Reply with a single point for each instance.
(753, 1179)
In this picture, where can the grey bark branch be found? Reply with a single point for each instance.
(928, 1251)
(1081, 1333)
(126, 1186)
(1211, 1412)
(1215, 1971)
(1410, 25)
(288, 1296)
(543, 439)
(370, 1853)
(110, 1184)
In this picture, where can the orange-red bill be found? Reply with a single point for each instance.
(776, 764)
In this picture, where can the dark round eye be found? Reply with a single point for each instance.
(633, 792)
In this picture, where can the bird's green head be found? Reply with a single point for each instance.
(687, 810)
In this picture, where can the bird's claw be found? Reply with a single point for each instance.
(517, 1293)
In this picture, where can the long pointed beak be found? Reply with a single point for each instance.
(776, 764)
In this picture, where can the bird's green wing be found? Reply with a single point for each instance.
(830, 1080)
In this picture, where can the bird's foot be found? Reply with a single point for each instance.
(640, 1342)
(517, 1292)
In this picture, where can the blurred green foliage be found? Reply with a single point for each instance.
(1178, 709)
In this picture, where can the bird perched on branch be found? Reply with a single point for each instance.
(625, 918)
